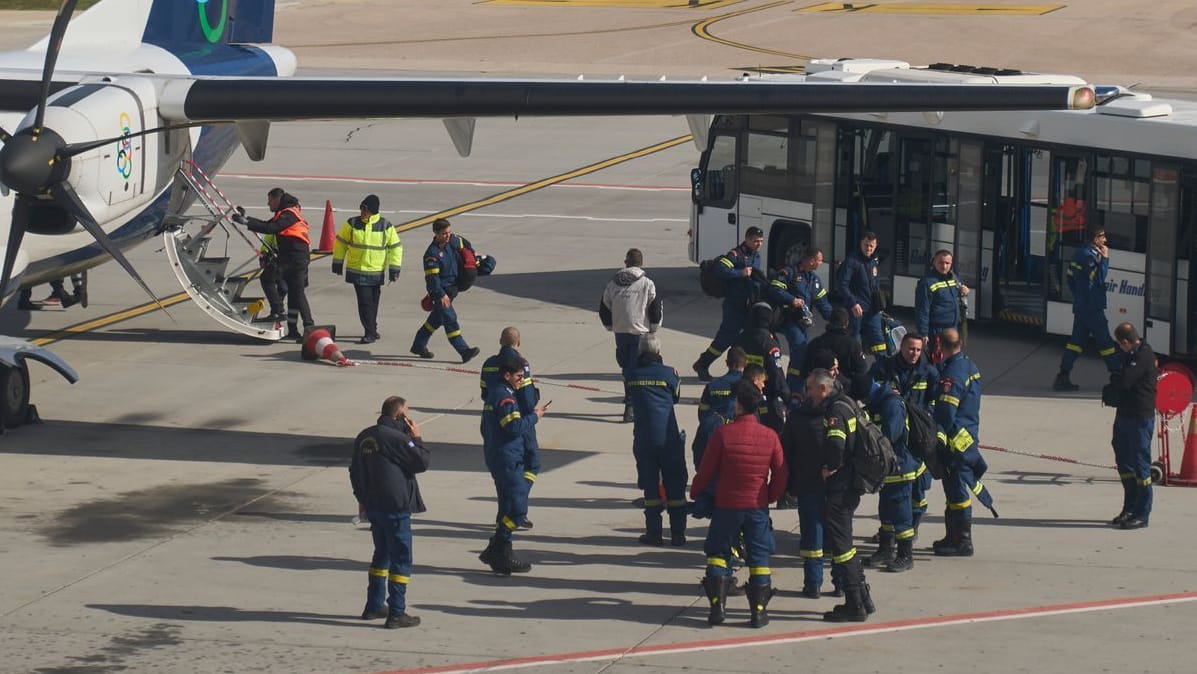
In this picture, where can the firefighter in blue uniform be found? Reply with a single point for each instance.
(894, 552)
(937, 302)
(441, 270)
(658, 445)
(740, 267)
(799, 290)
(762, 349)
(716, 406)
(916, 380)
(1087, 280)
(1134, 425)
(860, 287)
(958, 421)
(504, 431)
(527, 395)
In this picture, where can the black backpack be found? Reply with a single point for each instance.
(921, 435)
(711, 284)
(872, 456)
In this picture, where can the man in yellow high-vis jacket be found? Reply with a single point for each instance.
(368, 250)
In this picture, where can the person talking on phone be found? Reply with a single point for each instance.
(1086, 278)
(527, 396)
(386, 458)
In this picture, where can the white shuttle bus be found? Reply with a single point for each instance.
(1009, 193)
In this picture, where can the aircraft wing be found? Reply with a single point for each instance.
(227, 99)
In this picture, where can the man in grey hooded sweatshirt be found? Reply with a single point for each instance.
(630, 308)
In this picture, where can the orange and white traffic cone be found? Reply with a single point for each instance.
(1188, 464)
(328, 233)
(319, 344)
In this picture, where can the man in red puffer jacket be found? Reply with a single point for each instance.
(745, 458)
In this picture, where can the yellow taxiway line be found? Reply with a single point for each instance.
(929, 8)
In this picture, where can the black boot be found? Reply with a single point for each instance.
(490, 556)
(758, 598)
(702, 366)
(962, 543)
(904, 559)
(509, 561)
(677, 525)
(866, 599)
(716, 589)
(885, 551)
(652, 527)
(851, 611)
(402, 620)
(949, 537)
(1064, 383)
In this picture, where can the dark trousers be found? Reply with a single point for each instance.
(627, 348)
(441, 316)
(296, 278)
(727, 525)
(390, 567)
(1084, 325)
(367, 306)
(273, 287)
(810, 542)
(657, 467)
(894, 509)
(837, 534)
(511, 488)
(1132, 454)
(735, 317)
(867, 329)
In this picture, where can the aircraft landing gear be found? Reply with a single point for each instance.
(14, 395)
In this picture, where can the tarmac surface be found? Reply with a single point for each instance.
(185, 507)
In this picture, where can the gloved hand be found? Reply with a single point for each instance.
(393, 275)
(239, 218)
(336, 268)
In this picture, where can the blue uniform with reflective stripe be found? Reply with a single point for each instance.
(440, 278)
(527, 395)
(888, 411)
(958, 422)
(715, 408)
(658, 445)
(937, 303)
(1086, 278)
(730, 267)
(790, 284)
(503, 431)
(858, 281)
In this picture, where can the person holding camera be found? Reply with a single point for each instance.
(797, 289)
(1132, 391)
(386, 458)
(740, 267)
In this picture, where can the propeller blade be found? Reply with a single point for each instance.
(52, 47)
(4, 135)
(68, 199)
(79, 148)
(16, 233)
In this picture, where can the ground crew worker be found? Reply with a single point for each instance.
(839, 423)
(740, 267)
(526, 395)
(937, 302)
(368, 250)
(762, 348)
(294, 253)
(958, 420)
(852, 364)
(273, 285)
(745, 459)
(1134, 424)
(441, 266)
(799, 291)
(860, 286)
(630, 308)
(504, 431)
(716, 406)
(1086, 279)
(386, 458)
(658, 445)
(895, 548)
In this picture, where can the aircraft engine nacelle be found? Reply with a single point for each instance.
(112, 179)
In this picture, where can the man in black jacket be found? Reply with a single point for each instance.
(846, 348)
(294, 253)
(1134, 425)
(762, 348)
(386, 458)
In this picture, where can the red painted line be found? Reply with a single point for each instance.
(860, 629)
(445, 181)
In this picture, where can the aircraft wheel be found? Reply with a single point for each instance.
(14, 395)
(1157, 472)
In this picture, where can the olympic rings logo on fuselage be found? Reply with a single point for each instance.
(212, 33)
(124, 153)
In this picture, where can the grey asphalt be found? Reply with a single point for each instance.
(185, 507)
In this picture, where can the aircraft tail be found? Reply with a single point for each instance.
(179, 26)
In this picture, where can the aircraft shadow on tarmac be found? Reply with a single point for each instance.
(226, 614)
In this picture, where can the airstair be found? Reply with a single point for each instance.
(203, 262)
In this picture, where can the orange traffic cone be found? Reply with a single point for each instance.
(319, 344)
(1188, 465)
(328, 233)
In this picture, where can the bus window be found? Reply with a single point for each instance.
(1121, 201)
(1067, 227)
(1165, 214)
(767, 166)
(719, 181)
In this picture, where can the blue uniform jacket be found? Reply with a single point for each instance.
(440, 267)
(958, 406)
(917, 383)
(886, 409)
(527, 395)
(654, 388)
(857, 280)
(937, 302)
(731, 267)
(805, 285)
(503, 430)
(1087, 278)
(717, 398)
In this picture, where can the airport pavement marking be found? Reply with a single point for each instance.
(178, 298)
(701, 29)
(614, 655)
(622, 4)
(929, 8)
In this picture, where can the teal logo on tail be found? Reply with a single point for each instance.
(212, 33)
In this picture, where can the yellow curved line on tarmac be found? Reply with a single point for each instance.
(178, 298)
(700, 29)
(474, 38)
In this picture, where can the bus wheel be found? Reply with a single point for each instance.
(14, 395)
(790, 241)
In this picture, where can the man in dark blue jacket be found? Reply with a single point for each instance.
(740, 267)
(386, 459)
(894, 552)
(799, 291)
(527, 396)
(860, 288)
(441, 269)
(1086, 279)
(658, 445)
(1134, 425)
(937, 302)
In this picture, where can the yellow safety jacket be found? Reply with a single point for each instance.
(368, 249)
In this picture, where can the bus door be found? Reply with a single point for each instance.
(1016, 214)
(1168, 300)
(715, 191)
(1186, 277)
